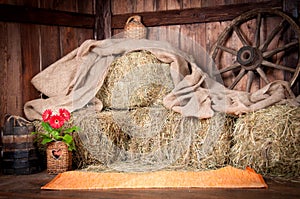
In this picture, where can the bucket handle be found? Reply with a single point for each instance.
(135, 17)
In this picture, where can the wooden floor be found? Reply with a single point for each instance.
(28, 186)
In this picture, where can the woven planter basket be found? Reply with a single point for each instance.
(134, 28)
(59, 158)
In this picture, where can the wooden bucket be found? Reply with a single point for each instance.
(19, 154)
(59, 158)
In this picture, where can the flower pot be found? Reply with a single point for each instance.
(59, 158)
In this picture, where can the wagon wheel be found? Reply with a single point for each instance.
(257, 57)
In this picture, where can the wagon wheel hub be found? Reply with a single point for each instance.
(250, 58)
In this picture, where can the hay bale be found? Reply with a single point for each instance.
(98, 140)
(136, 79)
(211, 145)
(268, 141)
(151, 138)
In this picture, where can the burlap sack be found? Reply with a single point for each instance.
(73, 81)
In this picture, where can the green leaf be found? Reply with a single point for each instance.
(56, 135)
(70, 130)
(71, 146)
(68, 139)
(34, 133)
(47, 126)
(46, 140)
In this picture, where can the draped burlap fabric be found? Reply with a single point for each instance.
(73, 81)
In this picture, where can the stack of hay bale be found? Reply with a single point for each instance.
(135, 132)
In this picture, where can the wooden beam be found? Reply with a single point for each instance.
(23, 14)
(193, 15)
(103, 19)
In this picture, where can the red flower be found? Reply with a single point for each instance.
(64, 113)
(46, 115)
(56, 121)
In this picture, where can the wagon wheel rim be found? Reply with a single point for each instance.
(253, 56)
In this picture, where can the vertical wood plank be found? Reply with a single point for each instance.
(192, 41)
(195, 3)
(68, 35)
(170, 34)
(159, 33)
(86, 6)
(68, 40)
(50, 45)
(202, 56)
(141, 7)
(174, 4)
(83, 35)
(3, 74)
(193, 37)
(30, 60)
(119, 7)
(131, 6)
(14, 71)
(161, 5)
(191, 4)
(213, 30)
(103, 19)
(292, 8)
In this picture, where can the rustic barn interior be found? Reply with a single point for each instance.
(35, 33)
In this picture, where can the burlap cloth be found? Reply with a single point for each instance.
(73, 81)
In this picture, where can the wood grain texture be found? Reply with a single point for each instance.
(30, 60)
(26, 49)
(103, 19)
(49, 45)
(14, 70)
(4, 72)
(192, 15)
(20, 14)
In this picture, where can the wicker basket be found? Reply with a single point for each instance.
(59, 158)
(134, 28)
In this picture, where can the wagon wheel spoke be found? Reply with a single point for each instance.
(254, 56)
(229, 68)
(257, 31)
(278, 66)
(229, 50)
(250, 79)
(262, 75)
(274, 32)
(240, 36)
(238, 78)
(268, 54)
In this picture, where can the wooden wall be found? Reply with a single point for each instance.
(204, 34)
(26, 49)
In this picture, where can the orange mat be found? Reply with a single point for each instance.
(227, 177)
